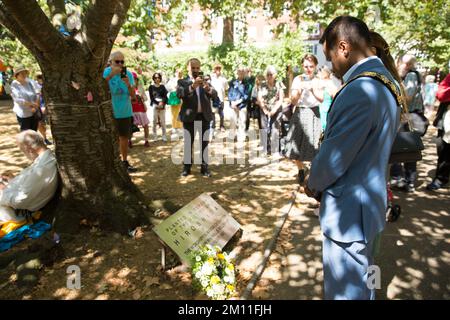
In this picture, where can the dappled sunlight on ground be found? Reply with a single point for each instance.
(414, 257)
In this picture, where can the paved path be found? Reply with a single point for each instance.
(414, 258)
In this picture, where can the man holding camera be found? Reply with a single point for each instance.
(121, 84)
(195, 113)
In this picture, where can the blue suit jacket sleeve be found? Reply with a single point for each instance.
(349, 123)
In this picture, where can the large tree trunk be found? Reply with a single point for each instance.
(95, 184)
(228, 30)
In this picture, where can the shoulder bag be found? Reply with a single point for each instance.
(407, 146)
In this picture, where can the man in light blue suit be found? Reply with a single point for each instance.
(349, 172)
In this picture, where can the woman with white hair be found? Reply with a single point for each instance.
(404, 176)
(26, 100)
(270, 100)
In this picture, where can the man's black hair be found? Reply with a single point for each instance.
(348, 28)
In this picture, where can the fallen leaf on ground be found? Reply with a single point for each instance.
(166, 286)
(137, 295)
(151, 280)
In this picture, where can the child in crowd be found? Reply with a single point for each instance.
(140, 110)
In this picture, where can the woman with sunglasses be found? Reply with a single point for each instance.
(158, 99)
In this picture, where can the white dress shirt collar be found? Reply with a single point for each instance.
(356, 65)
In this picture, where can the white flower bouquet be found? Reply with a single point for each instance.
(213, 272)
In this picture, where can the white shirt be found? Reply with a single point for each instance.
(34, 186)
(197, 90)
(199, 108)
(356, 65)
(307, 99)
(220, 84)
(22, 94)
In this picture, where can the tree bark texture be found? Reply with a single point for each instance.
(95, 184)
(228, 30)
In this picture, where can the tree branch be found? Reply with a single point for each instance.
(9, 23)
(97, 20)
(115, 26)
(58, 14)
(102, 24)
(34, 25)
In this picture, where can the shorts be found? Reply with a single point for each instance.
(124, 127)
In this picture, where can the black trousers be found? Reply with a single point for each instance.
(253, 112)
(221, 116)
(30, 123)
(407, 170)
(200, 126)
(443, 164)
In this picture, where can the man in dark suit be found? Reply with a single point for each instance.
(196, 114)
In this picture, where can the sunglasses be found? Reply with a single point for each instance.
(119, 61)
(156, 78)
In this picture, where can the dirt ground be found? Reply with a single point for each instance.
(414, 260)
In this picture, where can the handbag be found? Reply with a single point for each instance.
(407, 145)
(134, 128)
(419, 123)
(173, 99)
(38, 114)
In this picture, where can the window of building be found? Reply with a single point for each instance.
(186, 37)
(252, 33)
(198, 17)
(199, 36)
(267, 33)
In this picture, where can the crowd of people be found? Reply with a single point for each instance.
(290, 123)
(335, 124)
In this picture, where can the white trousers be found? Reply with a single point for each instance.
(161, 113)
(238, 119)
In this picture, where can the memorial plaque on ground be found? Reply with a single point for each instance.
(202, 221)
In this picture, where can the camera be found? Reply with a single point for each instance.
(123, 73)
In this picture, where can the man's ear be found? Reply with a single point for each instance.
(344, 48)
